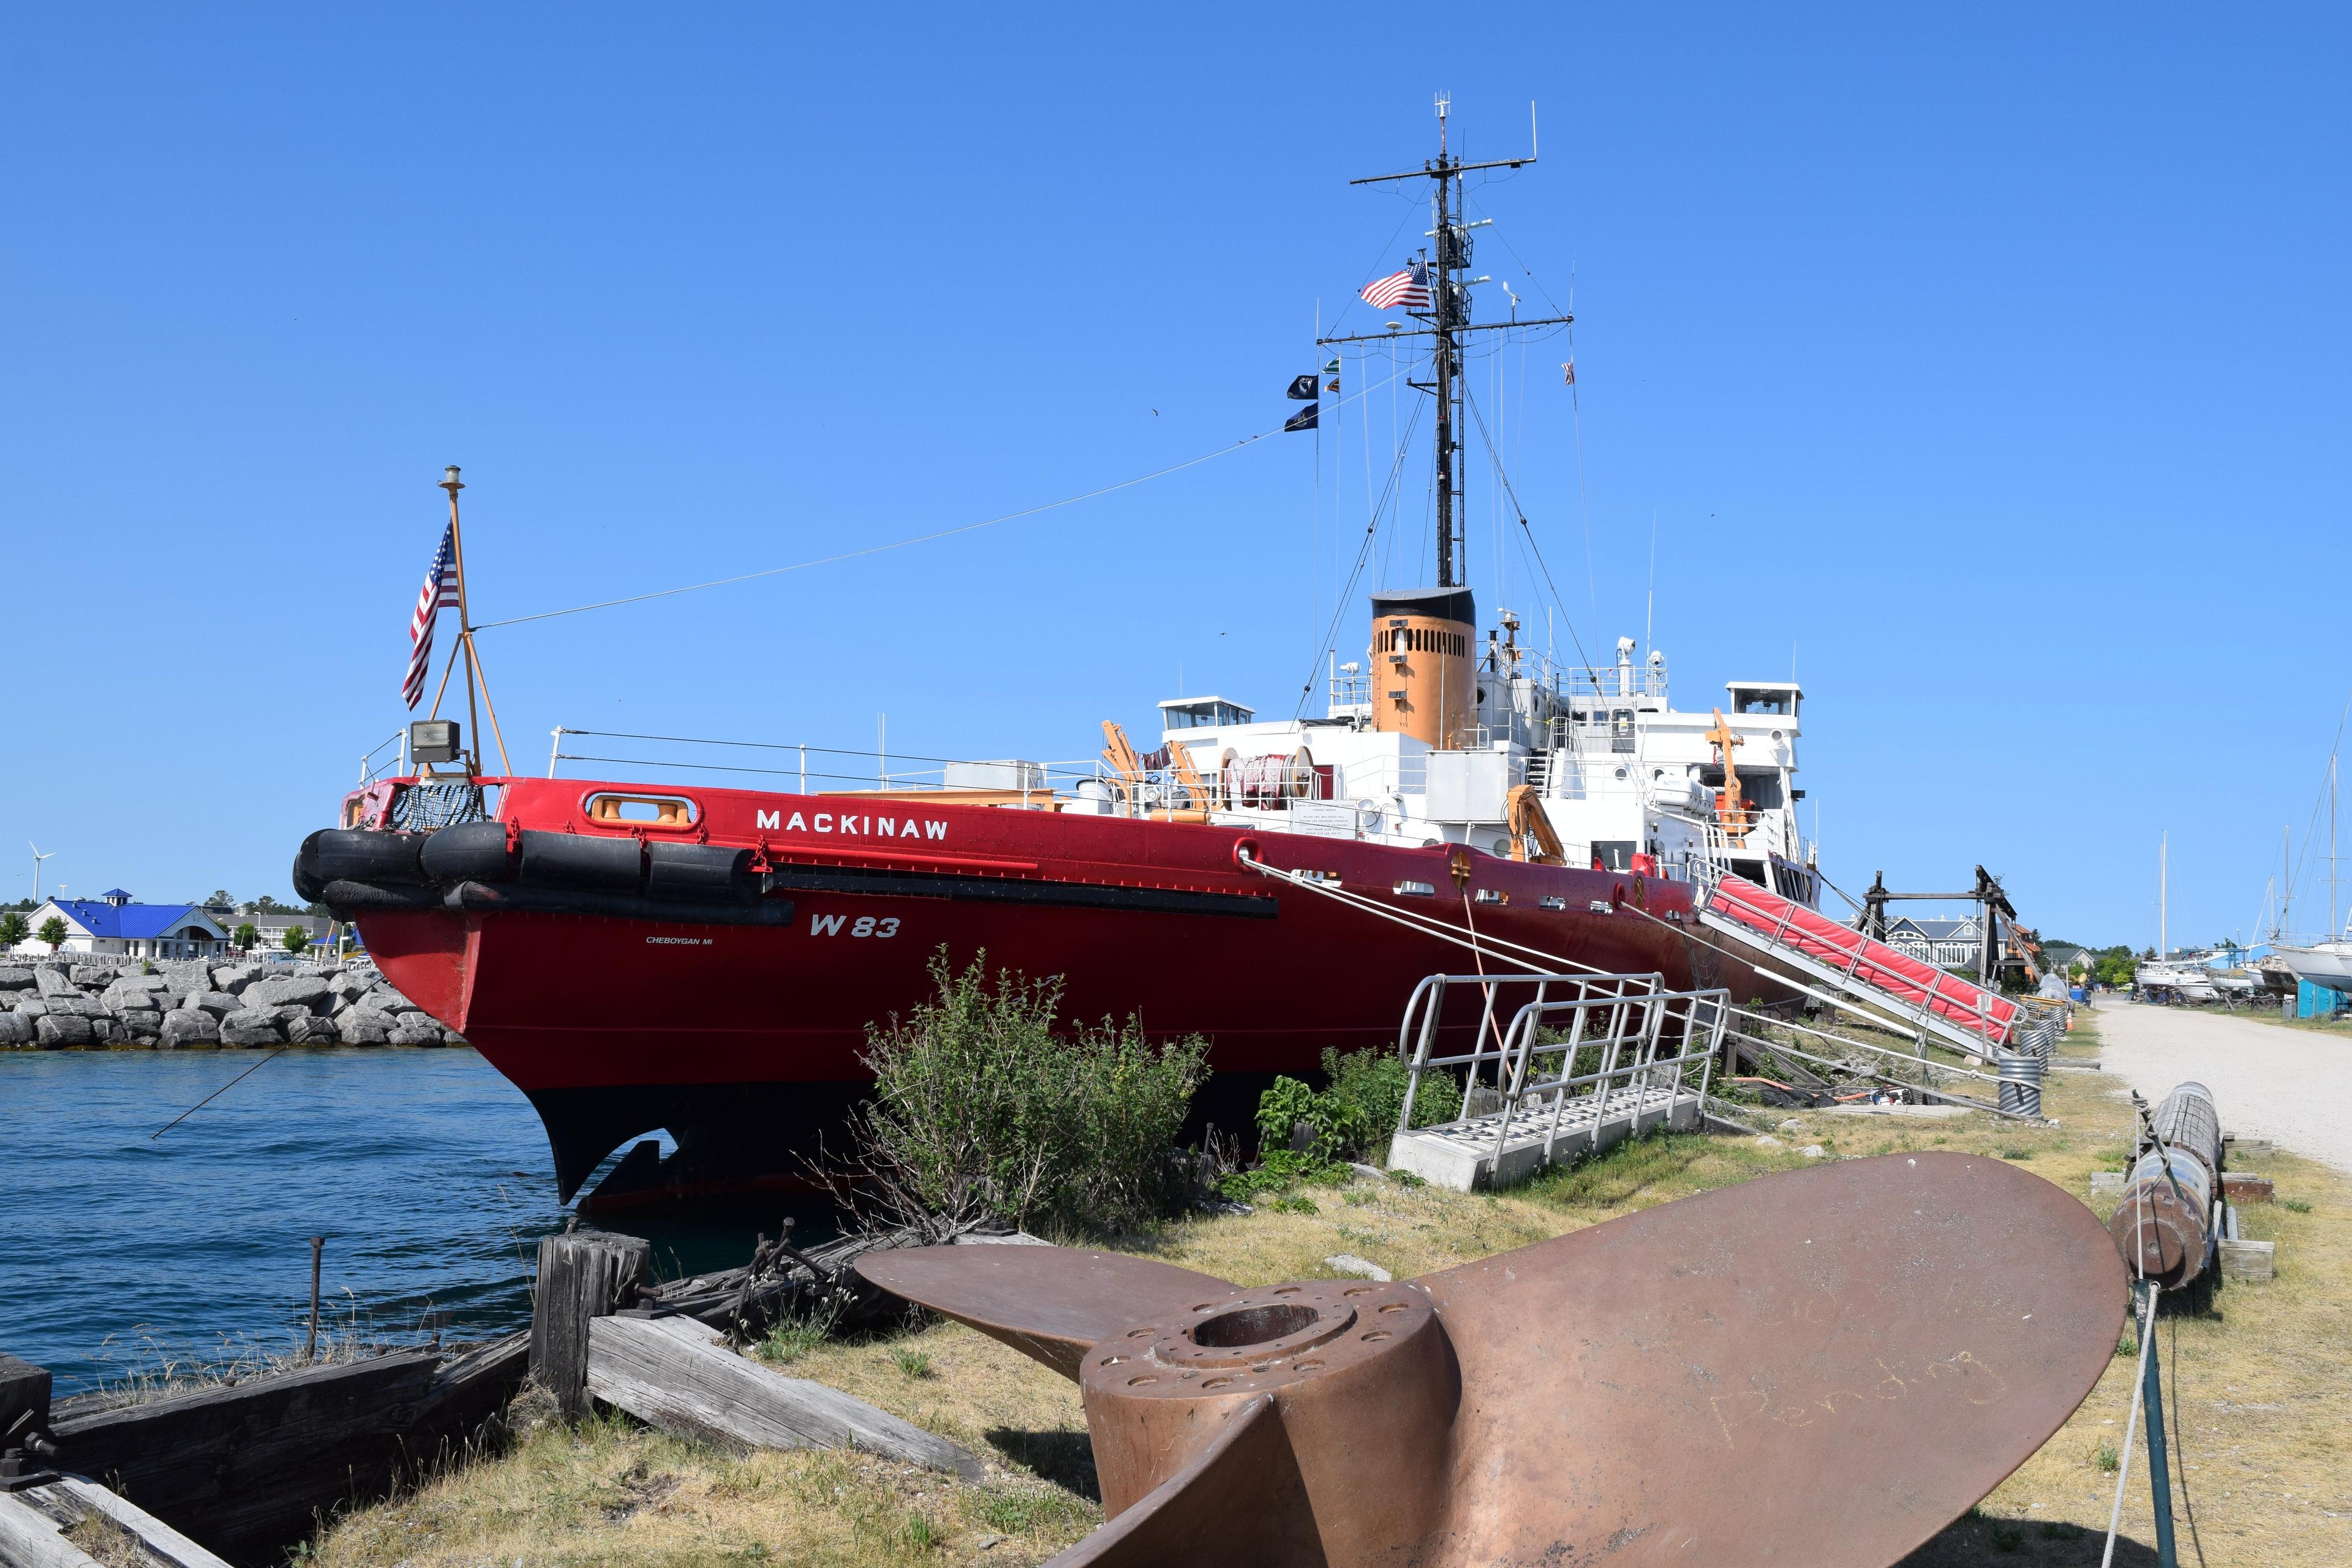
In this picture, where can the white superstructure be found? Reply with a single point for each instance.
(1623, 779)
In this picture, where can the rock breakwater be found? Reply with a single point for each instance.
(78, 1003)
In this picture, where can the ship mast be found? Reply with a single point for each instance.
(1453, 550)
(1447, 323)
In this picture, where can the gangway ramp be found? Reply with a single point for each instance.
(1586, 1061)
(1959, 1013)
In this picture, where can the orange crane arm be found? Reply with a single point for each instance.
(1528, 820)
(1120, 755)
(1179, 762)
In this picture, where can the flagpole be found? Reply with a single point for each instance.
(466, 633)
(456, 645)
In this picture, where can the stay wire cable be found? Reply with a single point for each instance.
(1363, 550)
(1526, 528)
(903, 543)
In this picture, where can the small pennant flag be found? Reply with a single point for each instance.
(1569, 370)
(1302, 387)
(1334, 386)
(1305, 420)
(1333, 368)
(1408, 291)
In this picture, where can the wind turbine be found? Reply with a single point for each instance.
(38, 858)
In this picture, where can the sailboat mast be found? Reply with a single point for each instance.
(2163, 854)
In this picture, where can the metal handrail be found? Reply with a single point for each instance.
(1702, 1012)
(1636, 1008)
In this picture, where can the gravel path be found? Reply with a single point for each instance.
(2287, 1084)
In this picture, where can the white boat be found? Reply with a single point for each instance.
(2324, 960)
(2176, 980)
(2170, 976)
(2321, 960)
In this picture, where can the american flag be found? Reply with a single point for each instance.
(440, 588)
(1408, 289)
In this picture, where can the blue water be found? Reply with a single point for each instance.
(425, 1171)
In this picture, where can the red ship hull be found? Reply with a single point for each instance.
(744, 1041)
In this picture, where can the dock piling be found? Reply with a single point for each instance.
(583, 1275)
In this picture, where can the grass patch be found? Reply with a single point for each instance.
(794, 1337)
(2263, 1448)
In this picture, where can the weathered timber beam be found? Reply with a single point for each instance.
(674, 1374)
(33, 1523)
(243, 1468)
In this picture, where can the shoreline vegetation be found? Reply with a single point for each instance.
(2260, 1386)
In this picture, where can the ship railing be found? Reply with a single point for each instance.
(1596, 1046)
(809, 769)
(1599, 683)
(2306, 939)
(388, 760)
(1352, 693)
(822, 770)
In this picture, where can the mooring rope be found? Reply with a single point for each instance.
(218, 1093)
(1427, 925)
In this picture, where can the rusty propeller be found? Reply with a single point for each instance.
(1825, 1366)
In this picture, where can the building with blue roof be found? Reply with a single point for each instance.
(114, 925)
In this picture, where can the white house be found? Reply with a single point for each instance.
(1953, 944)
(111, 925)
(270, 927)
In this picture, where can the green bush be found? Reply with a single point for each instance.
(982, 1111)
(1355, 1114)
(1372, 1083)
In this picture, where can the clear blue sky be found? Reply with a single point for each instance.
(1991, 365)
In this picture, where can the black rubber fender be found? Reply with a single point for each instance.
(700, 873)
(471, 852)
(580, 862)
(356, 855)
(348, 898)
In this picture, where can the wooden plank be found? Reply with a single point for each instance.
(29, 1537)
(32, 1524)
(673, 1372)
(2250, 1260)
(583, 1276)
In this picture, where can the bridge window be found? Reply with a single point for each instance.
(1778, 700)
